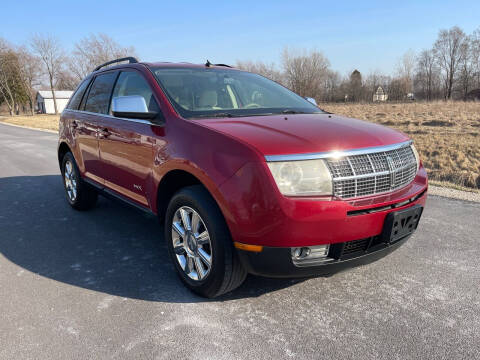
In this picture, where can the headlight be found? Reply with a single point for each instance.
(415, 152)
(302, 178)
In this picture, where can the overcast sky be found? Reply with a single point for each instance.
(367, 35)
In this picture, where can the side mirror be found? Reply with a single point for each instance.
(312, 100)
(133, 106)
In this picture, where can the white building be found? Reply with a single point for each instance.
(380, 95)
(45, 101)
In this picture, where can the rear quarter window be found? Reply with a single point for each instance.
(74, 102)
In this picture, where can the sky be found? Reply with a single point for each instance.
(367, 35)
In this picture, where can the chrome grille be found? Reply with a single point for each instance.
(372, 173)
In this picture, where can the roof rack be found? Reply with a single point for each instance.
(131, 60)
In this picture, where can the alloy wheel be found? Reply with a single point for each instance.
(191, 243)
(70, 181)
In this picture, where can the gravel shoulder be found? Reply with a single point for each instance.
(453, 193)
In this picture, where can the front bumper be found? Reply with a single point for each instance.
(277, 262)
(257, 214)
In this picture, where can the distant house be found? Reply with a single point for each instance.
(474, 95)
(45, 101)
(380, 95)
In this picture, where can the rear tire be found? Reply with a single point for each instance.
(80, 195)
(190, 253)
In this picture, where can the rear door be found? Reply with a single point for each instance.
(95, 105)
(83, 131)
(126, 149)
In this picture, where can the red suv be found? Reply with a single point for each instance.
(246, 176)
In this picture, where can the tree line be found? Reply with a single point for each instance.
(450, 69)
(45, 63)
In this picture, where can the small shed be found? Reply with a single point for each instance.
(45, 101)
(380, 95)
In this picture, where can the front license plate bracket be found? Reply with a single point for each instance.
(401, 223)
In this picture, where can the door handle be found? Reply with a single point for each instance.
(74, 124)
(104, 133)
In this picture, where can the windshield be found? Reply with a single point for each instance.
(213, 92)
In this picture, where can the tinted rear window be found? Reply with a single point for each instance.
(99, 95)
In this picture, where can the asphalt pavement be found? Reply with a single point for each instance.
(99, 285)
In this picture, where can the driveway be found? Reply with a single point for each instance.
(99, 284)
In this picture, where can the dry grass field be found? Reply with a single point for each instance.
(46, 122)
(446, 134)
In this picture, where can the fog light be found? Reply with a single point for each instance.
(301, 253)
(311, 256)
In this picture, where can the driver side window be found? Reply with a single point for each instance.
(132, 83)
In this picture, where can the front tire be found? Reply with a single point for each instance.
(200, 245)
(80, 195)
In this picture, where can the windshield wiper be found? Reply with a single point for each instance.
(230, 115)
(289, 111)
(224, 114)
(217, 115)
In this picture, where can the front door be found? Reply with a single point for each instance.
(126, 148)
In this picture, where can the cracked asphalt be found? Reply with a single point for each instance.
(99, 285)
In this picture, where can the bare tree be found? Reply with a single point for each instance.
(49, 50)
(466, 67)
(448, 53)
(29, 70)
(405, 69)
(331, 87)
(5, 84)
(67, 80)
(11, 91)
(475, 57)
(305, 73)
(396, 89)
(426, 72)
(94, 50)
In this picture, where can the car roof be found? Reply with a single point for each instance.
(187, 65)
(163, 65)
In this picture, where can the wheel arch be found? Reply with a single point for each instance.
(173, 181)
(63, 148)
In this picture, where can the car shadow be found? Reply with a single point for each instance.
(112, 248)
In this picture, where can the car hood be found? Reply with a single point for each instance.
(305, 133)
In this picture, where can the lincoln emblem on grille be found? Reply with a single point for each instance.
(391, 167)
